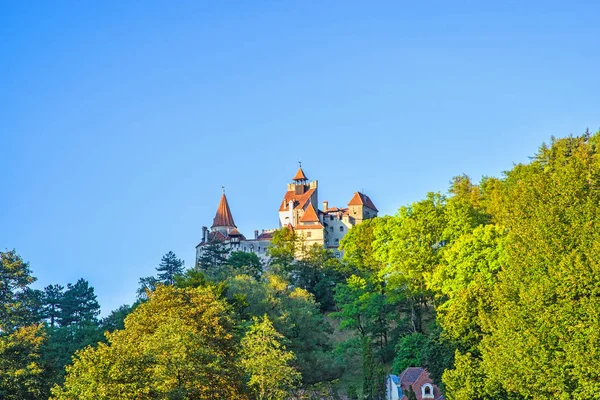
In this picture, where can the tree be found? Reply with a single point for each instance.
(170, 266)
(295, 315)
(116, 319)
(213, 258)
(410, 352)
(79, 304)
(19, 303)
(245, 263)
(266, 360)
(546, 303)
(179, 344)
(147, 284)
(373, 378)
(21, 372)
(52, 303)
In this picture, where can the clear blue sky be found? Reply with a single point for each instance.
(120, 121)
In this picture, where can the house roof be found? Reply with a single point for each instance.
(300, 176)
(410, 375)
(310, 215)
(223, 216)
(298, 199)
(265, 236)
(361, 199)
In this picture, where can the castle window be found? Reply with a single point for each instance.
(308, 234)
(331, 217)
(337, 240)
(427, 391)
(331, 228)
(341, 229)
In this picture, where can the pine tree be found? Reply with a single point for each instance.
(169, 267)
(214, 256)
(79, 304)
(52, 301)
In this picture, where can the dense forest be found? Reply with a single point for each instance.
(494, 287)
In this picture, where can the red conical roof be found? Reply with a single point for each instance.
(300, 175)
(223, 216)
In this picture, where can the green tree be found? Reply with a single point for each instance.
(295, 314)
(52, 303)
(546, 302)
(267, 361)
(170, 266)
(213, 258)
(410, 352)
(180, 344)
(245, 263)
(21, 372)
(79, 305)
(19, 303)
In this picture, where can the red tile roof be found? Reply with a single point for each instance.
(298, 199)
(299, 175)
(310, 215)
(360, 199)
(223, 216)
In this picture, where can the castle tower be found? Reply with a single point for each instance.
(361, 207)
(300, 193)
(223, 221)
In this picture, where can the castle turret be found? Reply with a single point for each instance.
(223, 221)
(361, 207)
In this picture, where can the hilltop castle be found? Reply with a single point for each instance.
(298, 211)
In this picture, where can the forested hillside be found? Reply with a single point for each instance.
(494, 287)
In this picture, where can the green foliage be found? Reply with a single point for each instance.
(312, 268)
(410, 352)
(18, 303)
(21, 372)
(546, 303)
(170, 266)
(52, 303)
(179, 344)
(213, 258)
(295, 315)
(373, 377)
(245, 263)
(78, 305)
(267, 362)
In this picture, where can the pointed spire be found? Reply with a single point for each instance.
(300, 174)
(223, 216)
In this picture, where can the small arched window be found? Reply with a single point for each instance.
(341, 229)
(427, 391)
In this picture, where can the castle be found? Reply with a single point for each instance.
(298, 211)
